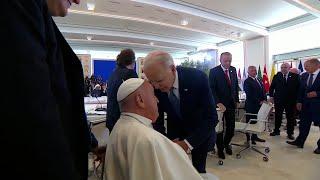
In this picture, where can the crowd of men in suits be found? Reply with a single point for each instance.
(94, 86)
(290, 92)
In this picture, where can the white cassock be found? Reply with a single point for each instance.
(137, 152)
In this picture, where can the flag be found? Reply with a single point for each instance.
(259, 73)
(273, 72)
(239, 74)
(244, 75)
(265, 79)
(300, 67)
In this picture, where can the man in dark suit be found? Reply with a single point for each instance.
(186, 98)
(308, 102)
(224, 86)
(283, 93)
(124, 70)
(255, 96)
(45, 133)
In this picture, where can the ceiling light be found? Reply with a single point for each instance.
(184, 22)
(91, 5)
(240, 35)
(151, 43)
(89, 38)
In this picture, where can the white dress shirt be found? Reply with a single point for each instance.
(224, 70)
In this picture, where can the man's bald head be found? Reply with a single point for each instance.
(312, 65)
(160, 70)
(285, 67)
(294, 70)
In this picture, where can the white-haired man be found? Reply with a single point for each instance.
(135, 150)
(185, 96)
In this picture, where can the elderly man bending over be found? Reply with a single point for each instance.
(135, 150)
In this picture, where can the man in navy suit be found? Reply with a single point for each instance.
(224, 86)
(186, 98)
(256, 95)
(308, 102)
(283, 92)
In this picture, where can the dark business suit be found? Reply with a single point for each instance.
(45, 132)
(310, 111)
(228, 95)
(119, 75)
(197, 119)
(285, 94)
(255, 93)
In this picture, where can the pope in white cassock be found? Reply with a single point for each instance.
(135, 150)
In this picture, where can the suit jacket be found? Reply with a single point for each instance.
(255, 93)
(221, 91)
(310, 106)
(284, 92)
(197, 107)
(119, 75)
(45, 132)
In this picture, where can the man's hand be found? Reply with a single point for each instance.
(100, 152)
(299, 106)
(312, 94)
(271, 100)
(221, 107)
(182, 144)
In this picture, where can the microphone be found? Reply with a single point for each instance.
(100, 108)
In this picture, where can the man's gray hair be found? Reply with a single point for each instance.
(158, 56)
(251, 67)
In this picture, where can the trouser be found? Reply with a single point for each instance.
(304, 129)
(248, 117)
(290, 114)
(224, 138)
(199, 157)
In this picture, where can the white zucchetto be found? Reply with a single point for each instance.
(128, 87)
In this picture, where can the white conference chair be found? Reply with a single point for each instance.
(258, 128)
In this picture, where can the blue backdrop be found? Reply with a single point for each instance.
(103, 68)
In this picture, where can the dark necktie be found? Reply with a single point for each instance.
(175, 102)
(227, 77)
(284, 79)
(310, 80)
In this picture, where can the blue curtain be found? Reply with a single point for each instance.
(103, 68)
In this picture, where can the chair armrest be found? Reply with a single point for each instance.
(256, 120)
(250, 114)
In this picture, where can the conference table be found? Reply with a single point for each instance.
(91, 104)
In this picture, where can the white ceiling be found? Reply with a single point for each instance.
(124, 23)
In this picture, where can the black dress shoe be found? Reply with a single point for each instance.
(291, 137)
(317, 151)
(259, 139)
(221, 155)
(295, 143)
(228, 150)
(275, 133)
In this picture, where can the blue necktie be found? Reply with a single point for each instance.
(310, 80)
(175, 102)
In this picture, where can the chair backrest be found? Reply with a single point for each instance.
(263, 115)
(264, 111)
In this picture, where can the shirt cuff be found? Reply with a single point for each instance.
(188, 144)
